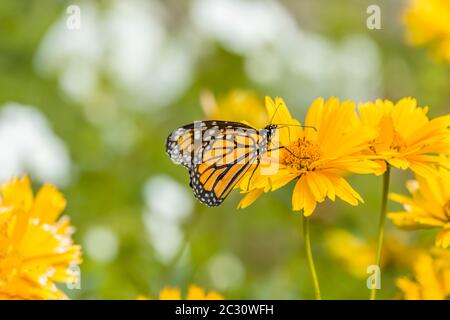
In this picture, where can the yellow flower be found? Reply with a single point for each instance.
(429, 206)
(194, 293)
(36, 249)
(407, 138)
(431, 278)
(317, 156)
(356, 254)
(428, 24)
(238, 105)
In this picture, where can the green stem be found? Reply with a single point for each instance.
(306, 235)
(381, 224)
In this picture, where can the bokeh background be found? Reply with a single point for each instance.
(89, 110)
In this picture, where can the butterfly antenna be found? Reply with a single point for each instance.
(275, 112)
(288, 125)
(296, 125)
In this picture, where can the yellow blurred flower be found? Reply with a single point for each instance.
(431, 279)
(36, 248)
(427, 22)
(407, 138)
(194, 293)
(315, 157)
(356, 254)
(398, 252)
(238, 105)
(429, 206)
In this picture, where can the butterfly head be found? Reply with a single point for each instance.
(266, 135)
(270, 130)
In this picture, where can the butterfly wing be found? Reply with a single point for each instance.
(217, 154)
(214, 179)
(185, 144)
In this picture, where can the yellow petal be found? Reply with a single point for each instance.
(412, 220)
(310, 202)
(302, 198)
(317, 187)
(426, 276)
(313, 119)
(21, 226)
(430, 129)
(331, 192)
(443, 238)
(410, 289)
(195, 293)
(169, 293)
(355, 165)
(17, 193)
(344, 190)
(49, 204)
(281, 179)
(402, 199)
(298, 195)
(213, 295)
(423, 170)
(398, 163)
(249, 198)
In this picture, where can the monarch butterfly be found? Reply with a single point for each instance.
(218, 154)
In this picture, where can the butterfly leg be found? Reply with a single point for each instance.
(251, 176)
(285, 148)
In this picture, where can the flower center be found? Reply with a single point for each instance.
(301, 154)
